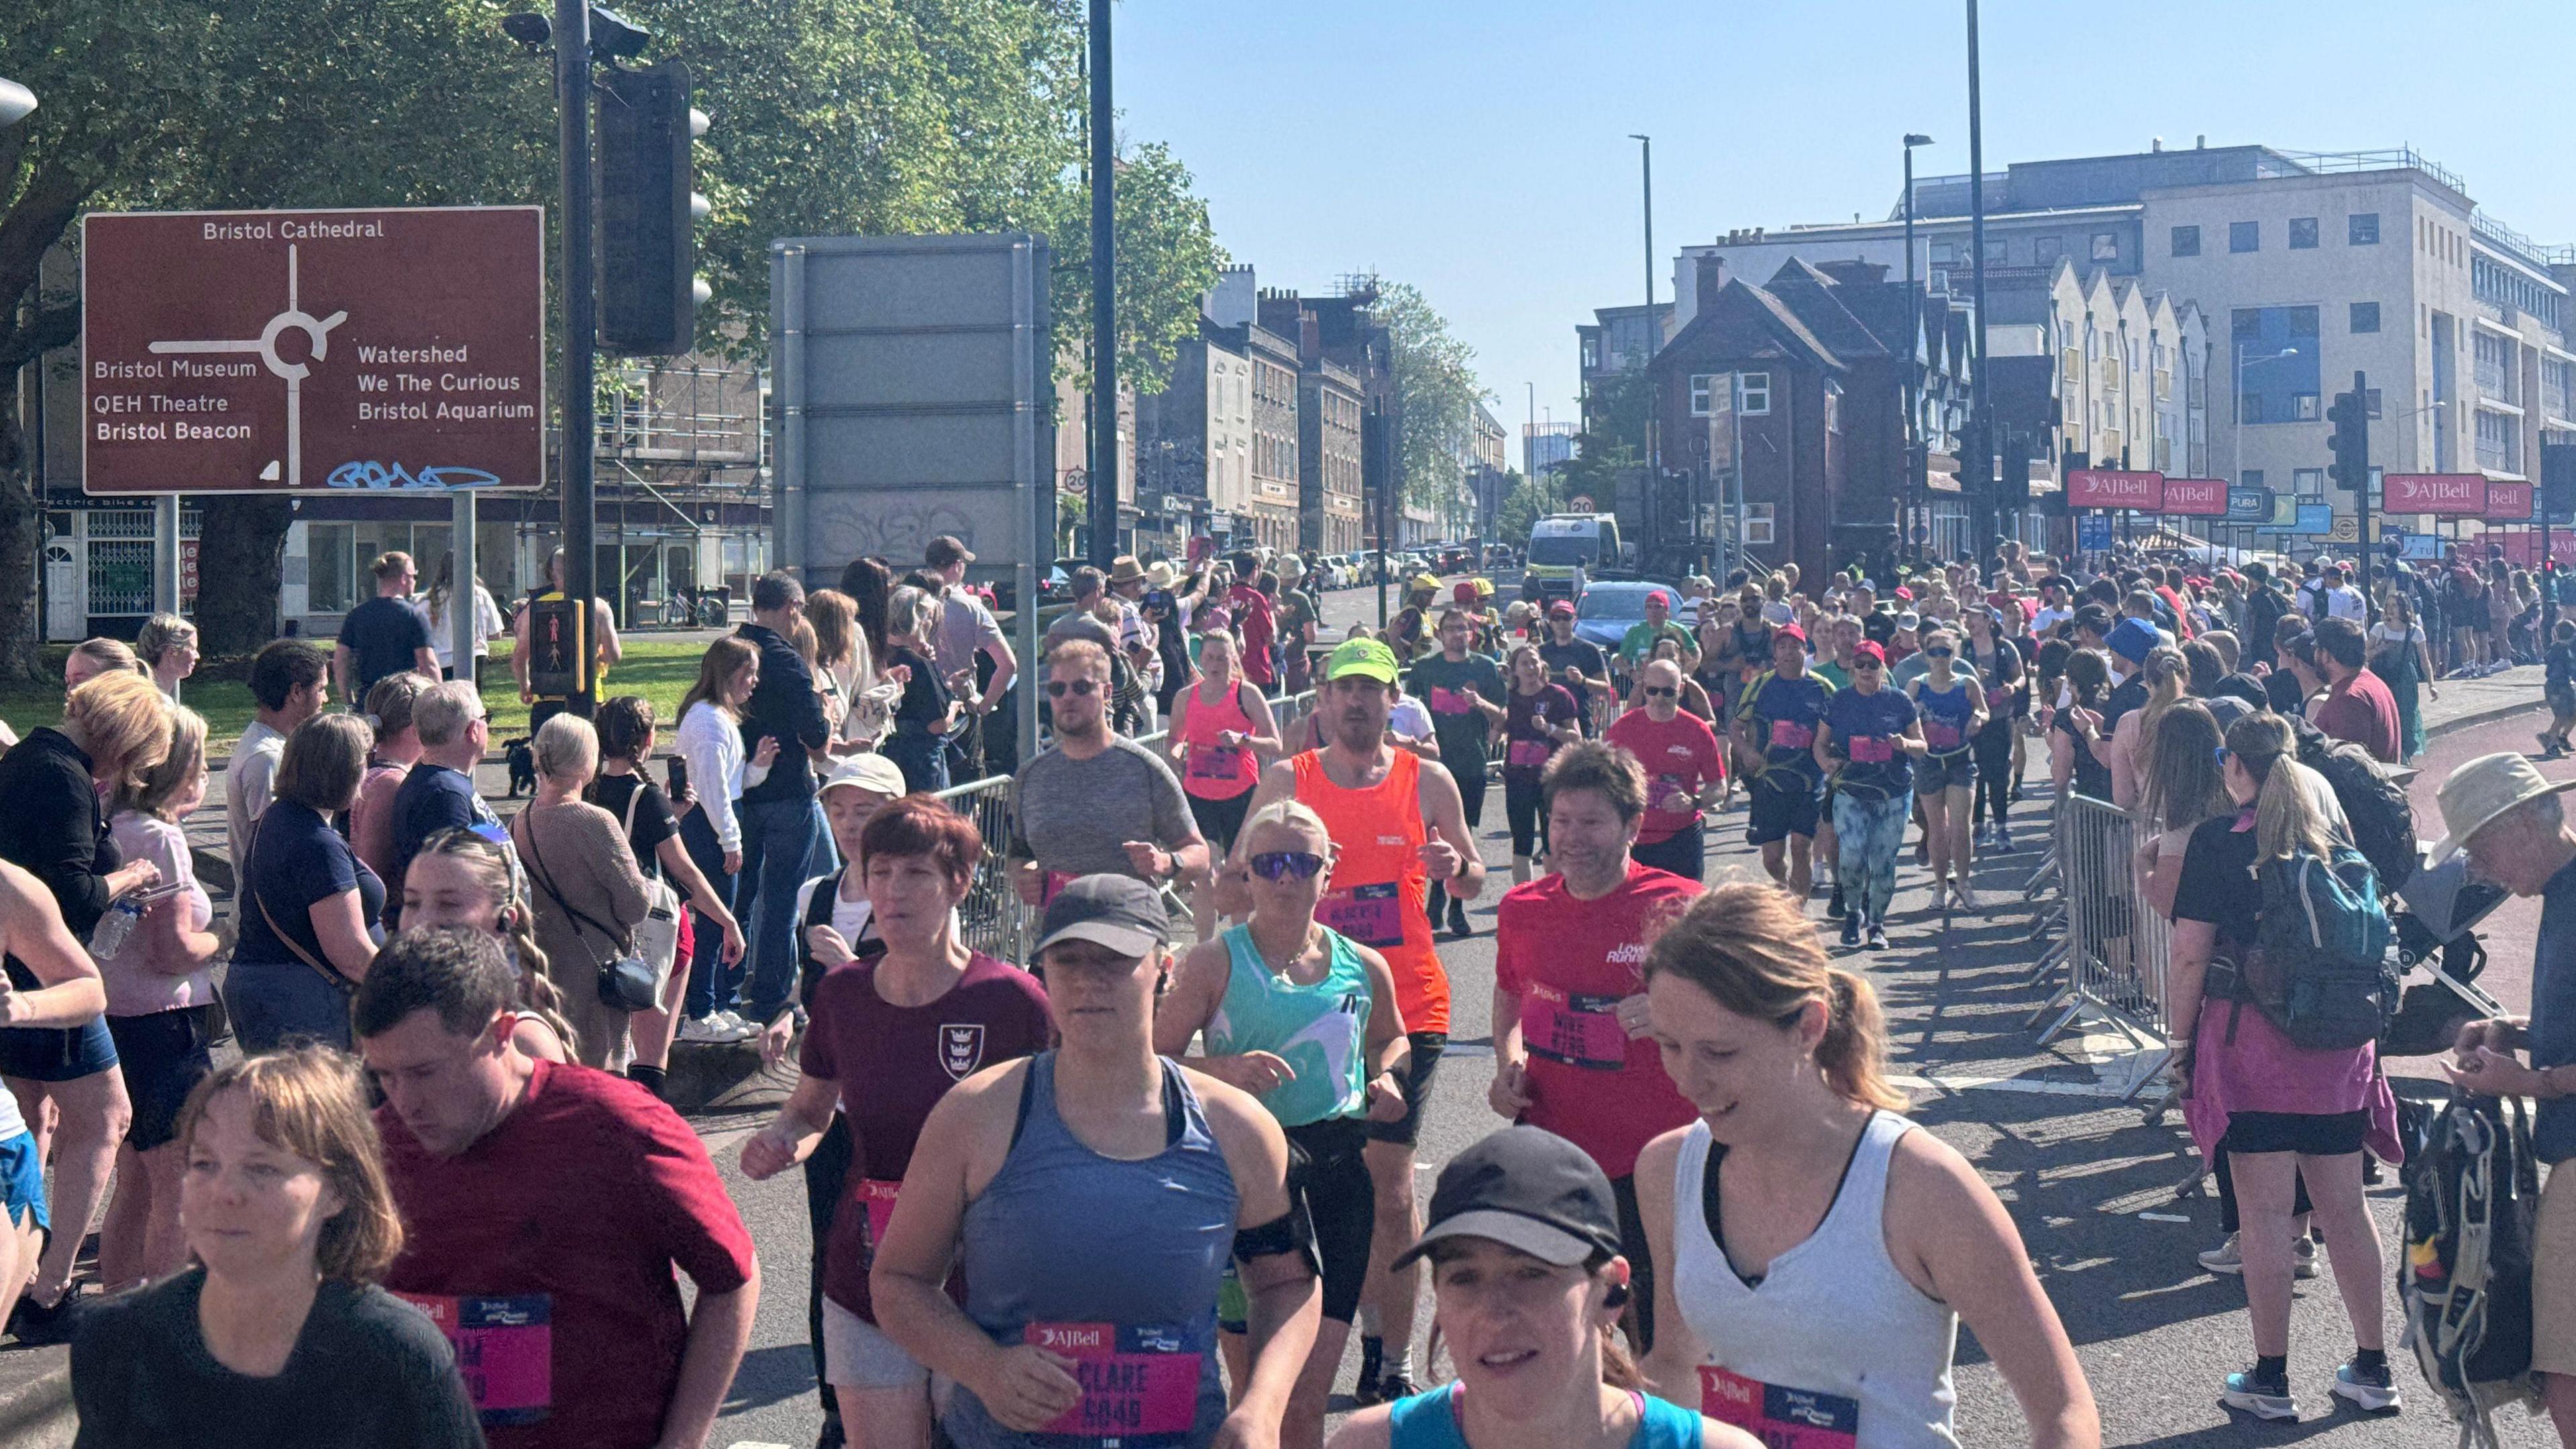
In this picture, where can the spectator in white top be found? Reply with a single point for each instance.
(289, 684)
(710, 745)
(966, 628)
(2342, 600)
(488, 623)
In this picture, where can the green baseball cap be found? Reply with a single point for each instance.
(1366, 658)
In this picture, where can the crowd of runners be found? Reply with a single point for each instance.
(1142, 1186)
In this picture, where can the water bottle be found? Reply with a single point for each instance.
(112, 928)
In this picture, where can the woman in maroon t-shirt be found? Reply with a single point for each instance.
(887, 1040)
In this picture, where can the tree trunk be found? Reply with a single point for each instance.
(22, 530)
(241, 566)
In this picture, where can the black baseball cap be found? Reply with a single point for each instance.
(1117, 911)
(1529, 1190)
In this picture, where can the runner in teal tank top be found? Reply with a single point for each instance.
(1304, 1018)
(1527, 1281)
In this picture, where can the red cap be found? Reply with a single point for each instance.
(1561, 609)
(1465, 593)
(1903, 592)
(1868, 649)
(1658, 596)
(1788, 631)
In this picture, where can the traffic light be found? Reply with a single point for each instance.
(646, 225)
(1976, 458)
(2350, 442)
(2012, 483)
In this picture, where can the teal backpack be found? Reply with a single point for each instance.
(2321, 969)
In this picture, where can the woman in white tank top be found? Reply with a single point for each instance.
(1814, 1252)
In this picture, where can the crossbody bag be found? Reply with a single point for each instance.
(626, 981)
(657, 936)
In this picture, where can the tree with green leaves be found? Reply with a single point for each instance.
(1436, 393)
(1529, 500)
(831, 117)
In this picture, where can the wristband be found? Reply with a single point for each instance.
(1465, 862)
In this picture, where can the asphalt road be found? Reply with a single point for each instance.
(2088, 1181)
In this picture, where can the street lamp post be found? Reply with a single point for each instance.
(580, 303)
(1982, 428)
(1914, 485)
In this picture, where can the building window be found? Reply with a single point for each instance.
(2045, 250)
(2365, 316)
(1999, 252)
(1940, 281)
(2186, 241)
(2361, 229)
(1757, 394)
(2303, 233)
(1758, 523)
(331, 575)
(1703, 386)
(2305, 405)
(1944, 252)
(2106, 246)
(2245, 236)
(2311, 482)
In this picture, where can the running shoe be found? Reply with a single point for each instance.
(2262, 1399)
(35, 1326)
(2373, 1389)
(2228, 1257)
(1834, 909)
(1877, 936)
(1851, 929)
(723, 1028)
(1458, 926)
(1395, 1384)
(2003, 839)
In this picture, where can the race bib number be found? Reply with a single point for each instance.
(1939, 735)
(1135, 1381)
(1998, 698)
(1575, 1029)
(1216, 762)
(1372, 915)
(1790, 735)
(504, 1351)
(878, 1196)
(1448, 701)
(1872, 749)
(1782, 1418)
(1529, 754)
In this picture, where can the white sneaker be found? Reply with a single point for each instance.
(719, 1029)
(2228, 1257)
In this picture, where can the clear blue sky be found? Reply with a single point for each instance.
(1480, 150)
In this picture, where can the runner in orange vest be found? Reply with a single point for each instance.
(1400, 824)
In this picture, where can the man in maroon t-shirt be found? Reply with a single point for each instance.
(1259, 622)
(1683, 770)
(544, 1208)
(2357, 706)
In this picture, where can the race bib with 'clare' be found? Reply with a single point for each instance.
(1573, 1028)
(1871, 749)
(504, 1351)
(1781, 1417)
(1136, 1381)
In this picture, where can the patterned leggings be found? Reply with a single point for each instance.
(1868, 833)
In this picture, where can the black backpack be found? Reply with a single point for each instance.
(2383, 820)
(2464, 1271)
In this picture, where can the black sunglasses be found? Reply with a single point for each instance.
(1059, 688)
(1652, 692)
(1278, 865)
(1937, 653)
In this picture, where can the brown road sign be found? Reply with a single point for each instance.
(285, 351)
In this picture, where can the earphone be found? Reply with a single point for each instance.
(1617, 1297)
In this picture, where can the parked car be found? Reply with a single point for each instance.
(1610, 607)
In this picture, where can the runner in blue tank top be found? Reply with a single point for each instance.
(1526, 1279)
(1092, 1195)
(1304, 1018)
(1953, 706)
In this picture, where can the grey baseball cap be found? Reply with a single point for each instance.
(1119, 912)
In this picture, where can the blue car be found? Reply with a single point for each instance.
(1608, 609)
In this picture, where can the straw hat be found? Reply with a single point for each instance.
(1158, 575)
(2483, 789)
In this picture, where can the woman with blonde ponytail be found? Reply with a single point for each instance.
(2269, 1115)
(1805, 1236)
(465, 877)
(2168, 676)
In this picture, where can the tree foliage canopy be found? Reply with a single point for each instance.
(1436, 392)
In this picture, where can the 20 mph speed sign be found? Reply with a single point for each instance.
(281, 351)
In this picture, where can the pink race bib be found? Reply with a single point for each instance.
(1940, 736)
(1574, 1029)
(1782, 1418)
(1216, 762)
(1372, 915)
(1135, 1381)
(1529, 754)
(504, 1351)
(1448, 701)
(1998, 697)
(1871, 749)
(1790, 735)
(879, 1195)
(1056, 881)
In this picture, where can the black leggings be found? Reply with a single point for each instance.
(1341, 1202)
(1470, 776)
(827, 1173)
(1522, 802)
(2299, 1206)
(1992, 747)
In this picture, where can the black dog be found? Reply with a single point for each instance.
(523, 766)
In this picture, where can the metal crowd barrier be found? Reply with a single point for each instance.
(997, 922)
(2111, 960)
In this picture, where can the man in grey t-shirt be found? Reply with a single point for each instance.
(966, 628)
(1095, 803)
(290, 681)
